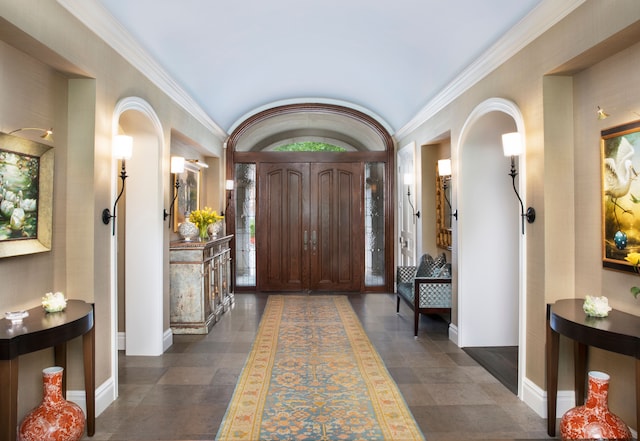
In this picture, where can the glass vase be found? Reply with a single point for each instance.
(203, 233)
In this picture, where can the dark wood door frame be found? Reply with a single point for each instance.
(385, 156)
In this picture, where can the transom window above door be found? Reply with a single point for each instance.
(309, 146)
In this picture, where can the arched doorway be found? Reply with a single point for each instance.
(137, 295)
(490, 245)
(323, 219)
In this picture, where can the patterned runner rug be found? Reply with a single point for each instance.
(313, 375)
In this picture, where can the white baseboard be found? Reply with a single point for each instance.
(167, 340)
(105, 395)
(453, 333)
(536, 399)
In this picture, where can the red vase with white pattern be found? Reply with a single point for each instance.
(55, 419)
(593, 420)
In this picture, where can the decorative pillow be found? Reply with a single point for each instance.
(426, 267)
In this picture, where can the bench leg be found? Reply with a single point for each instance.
(397, 303)
(416, 319)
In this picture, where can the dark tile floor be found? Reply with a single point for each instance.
(183, 394)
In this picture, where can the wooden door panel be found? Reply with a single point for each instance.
(282, 261)
(336, 225)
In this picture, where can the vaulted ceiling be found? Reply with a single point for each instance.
(390, 58)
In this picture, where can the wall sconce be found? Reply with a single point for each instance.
(228, 186)
(47, 135)
(512, 146)
(177, 167)
(122, 149)
(408, 178)
(444, 170)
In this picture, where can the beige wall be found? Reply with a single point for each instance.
(614, 85)
(55, 73)
(563, 180)
(61, 75)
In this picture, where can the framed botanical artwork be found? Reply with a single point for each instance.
(26, 196)
(188, 194)
(620, 151)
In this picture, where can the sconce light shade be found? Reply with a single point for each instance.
(407, 179)
(122, 146)
(228, 185)
(177, 164)
(444, 167)
(512, 144)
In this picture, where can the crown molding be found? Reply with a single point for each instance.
(536, 23)
(100, 21)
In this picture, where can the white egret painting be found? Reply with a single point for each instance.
(621, 195)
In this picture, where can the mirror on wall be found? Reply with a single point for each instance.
(443, 204)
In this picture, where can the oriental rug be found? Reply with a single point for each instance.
(313, 375)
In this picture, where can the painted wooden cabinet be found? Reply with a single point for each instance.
(200, 277)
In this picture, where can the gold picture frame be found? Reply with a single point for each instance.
(620, 154)
(26, 196)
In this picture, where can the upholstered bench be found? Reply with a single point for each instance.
(425, 288)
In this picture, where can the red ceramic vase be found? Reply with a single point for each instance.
(594, 421)
(55, 419)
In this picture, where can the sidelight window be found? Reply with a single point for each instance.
(374, 224)
(245, 220)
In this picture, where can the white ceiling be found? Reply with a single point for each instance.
(390, 58)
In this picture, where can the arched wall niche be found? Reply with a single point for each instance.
(139, 235)
(488, 230)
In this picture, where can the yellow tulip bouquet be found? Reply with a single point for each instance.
(203, 218)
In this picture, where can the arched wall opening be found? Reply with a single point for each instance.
(490, 244)
(137, 249)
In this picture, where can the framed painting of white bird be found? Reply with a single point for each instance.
(620, 147)
(26, 196)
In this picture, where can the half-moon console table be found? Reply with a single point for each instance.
(618, 332)
(41, 330)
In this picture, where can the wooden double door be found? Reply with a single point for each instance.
(309, 233)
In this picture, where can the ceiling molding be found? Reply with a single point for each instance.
(100, 21)
(543, 17)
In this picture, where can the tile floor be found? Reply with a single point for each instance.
(183, 394)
